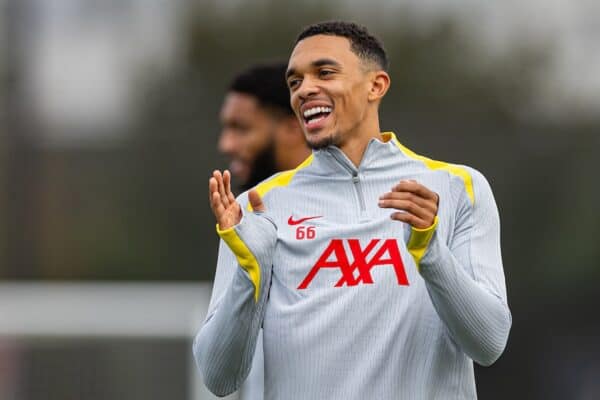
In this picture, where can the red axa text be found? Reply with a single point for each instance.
(364, 259)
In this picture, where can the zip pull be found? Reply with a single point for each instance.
(359, 194)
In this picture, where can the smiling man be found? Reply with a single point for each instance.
(376, 273)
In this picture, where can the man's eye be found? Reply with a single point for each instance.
(325, 72)
(292, 83)
(238, 127)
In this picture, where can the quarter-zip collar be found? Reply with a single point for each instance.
(343, 160)
(377, 152)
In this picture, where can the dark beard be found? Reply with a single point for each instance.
(262, 168)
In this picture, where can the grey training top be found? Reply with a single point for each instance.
(353, 304)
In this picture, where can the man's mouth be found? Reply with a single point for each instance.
(314, 117)
(238, 168)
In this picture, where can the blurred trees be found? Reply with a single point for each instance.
(137, 209)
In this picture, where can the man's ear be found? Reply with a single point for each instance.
(380, 83)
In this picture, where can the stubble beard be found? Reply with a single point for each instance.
(329, 140)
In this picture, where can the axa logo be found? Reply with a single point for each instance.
(377, 253)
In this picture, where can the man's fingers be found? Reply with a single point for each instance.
(222, 202)
(417, 204)
(416, 188)
(256, 201)
(406, 205)
(421, 213)
(227, 182)
(217, 205)
(386, 199)
(215, 198)
(212, 187)
(410, 219)
(221, 185)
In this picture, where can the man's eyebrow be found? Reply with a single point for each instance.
(325, 61)
(315, 64)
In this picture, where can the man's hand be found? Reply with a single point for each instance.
(227, 210)
(418, 205)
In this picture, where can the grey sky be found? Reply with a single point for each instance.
(85, 54)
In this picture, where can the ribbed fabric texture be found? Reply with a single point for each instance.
(224, 347)
(405, 334)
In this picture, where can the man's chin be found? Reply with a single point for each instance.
(240, 177)
(262, 167)
(239, 169)
(317, 142)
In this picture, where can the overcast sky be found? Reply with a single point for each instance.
(109, 40)
(571, 27)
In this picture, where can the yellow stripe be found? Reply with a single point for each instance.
(419, 240)
(282, 179)
(244, 256)
(433, 164)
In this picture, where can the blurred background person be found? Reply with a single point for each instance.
(260, 134)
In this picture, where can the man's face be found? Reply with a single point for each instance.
(329, 89)
(246, 133)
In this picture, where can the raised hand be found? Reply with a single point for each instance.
(222, 201)
(417, 205)
(225, 207)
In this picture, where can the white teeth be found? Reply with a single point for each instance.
(316, 110)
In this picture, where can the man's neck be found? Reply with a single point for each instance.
(290, 158)
(354, 146)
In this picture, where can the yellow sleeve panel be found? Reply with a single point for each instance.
(461, 172)
(244, 256)
(419, 240)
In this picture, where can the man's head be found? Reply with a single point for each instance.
(337, 77)
(258, 123)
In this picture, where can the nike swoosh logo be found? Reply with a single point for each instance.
(301, 220)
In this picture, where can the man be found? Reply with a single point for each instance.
(375, 273)
(260, 136)
(260, 133)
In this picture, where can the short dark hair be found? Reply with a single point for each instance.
(362, 43)
(267, 83)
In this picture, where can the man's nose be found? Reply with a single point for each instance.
(308, 88)
(227, 142)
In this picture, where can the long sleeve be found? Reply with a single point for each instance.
(224, 346)
(465, 279)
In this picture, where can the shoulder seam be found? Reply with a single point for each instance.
(280, 180)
